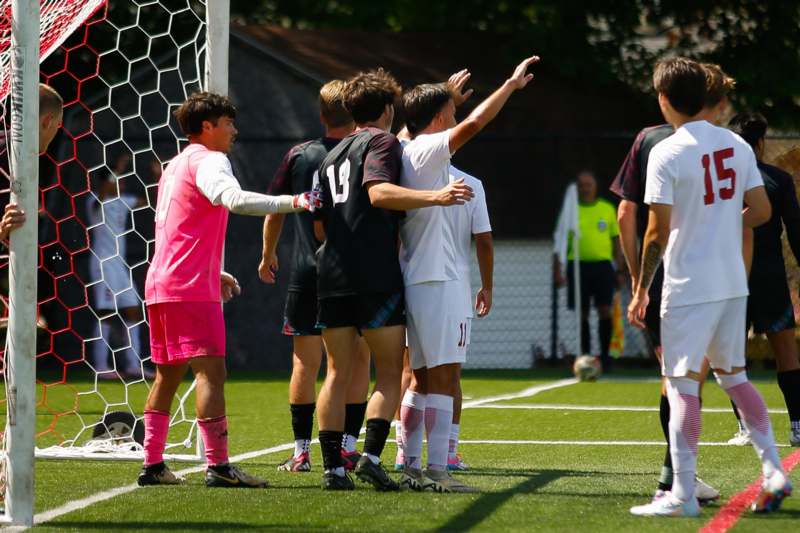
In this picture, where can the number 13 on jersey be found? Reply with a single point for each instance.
(723, 174)
(340, 188)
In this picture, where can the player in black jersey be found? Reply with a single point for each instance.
(769, 306)
(299, 172)
(359, 283)
(632, 214)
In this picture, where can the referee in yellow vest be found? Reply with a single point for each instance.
(600, 256)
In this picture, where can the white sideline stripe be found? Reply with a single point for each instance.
(594, 443)
(77, 505)
(572, 407)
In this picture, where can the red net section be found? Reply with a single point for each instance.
(121, 71)
(58, 20)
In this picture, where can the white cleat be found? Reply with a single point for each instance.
(704, 492)
(742, 438)
(668, 506)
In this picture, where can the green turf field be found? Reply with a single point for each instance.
(575, 485)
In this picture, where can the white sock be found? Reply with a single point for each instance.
(412, 417)
(684, 434)
(349, 443)
(301, 446)
(100, 348)
(374, 458)
(438, 419)
(454, 431)
(755, 418)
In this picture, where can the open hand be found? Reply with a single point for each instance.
(520, 78)
(456, 85)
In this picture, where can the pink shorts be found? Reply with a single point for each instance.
(180, 331)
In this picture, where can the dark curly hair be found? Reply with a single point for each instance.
(367, 94)
(202, 106)
(752, 127)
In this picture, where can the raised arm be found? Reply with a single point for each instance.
(489, 108)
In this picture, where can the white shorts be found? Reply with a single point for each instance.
(114, 290)
(715, 330)
(437, 326)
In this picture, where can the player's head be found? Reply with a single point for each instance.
(681, 87)
(587, 186)
(331, 106)
(718, 86)
(370, 98)
(51, 110)
(752, 127)
(429, 107)
(207, 118)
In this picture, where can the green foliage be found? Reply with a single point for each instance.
(607, 41)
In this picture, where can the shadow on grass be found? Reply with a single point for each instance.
(177, 526)
(487, 503)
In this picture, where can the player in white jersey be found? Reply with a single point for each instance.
(698, 181)
(109, 212)
(437, 307)
(470, 220)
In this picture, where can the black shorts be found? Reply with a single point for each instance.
(300, 314)
(598, 283)
(769, 307)
(362, 311)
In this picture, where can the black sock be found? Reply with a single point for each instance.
(354, 418)
(302, 420)
(377, 433)
(605, 329)
(665, 481)
(331, 444)
(789, 382)
(738, 416)
(586, 338)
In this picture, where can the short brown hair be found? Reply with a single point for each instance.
(367, 94)
(331, 105)
(422, 103)
(718, 84)
(49, 100)
(683, 82)
(202, 106)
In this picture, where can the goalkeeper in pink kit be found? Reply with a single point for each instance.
(185, 285)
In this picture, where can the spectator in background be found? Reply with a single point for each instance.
(601, 263)
(109, 212)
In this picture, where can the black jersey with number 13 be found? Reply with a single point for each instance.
(359, 254)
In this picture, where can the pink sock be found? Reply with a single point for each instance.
(156, 426)
(684, 434)
(214, 432)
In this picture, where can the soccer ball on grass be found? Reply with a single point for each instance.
(587, 368)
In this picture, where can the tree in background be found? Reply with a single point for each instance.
(607, 41)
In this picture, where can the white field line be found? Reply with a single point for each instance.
(592, 443)
(82, 503)
(568, 407)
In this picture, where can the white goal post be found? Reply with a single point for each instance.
(27, 35)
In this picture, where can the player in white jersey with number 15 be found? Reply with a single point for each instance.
(699, 179)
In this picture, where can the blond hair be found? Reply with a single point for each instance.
(331, 104)
(718, 84)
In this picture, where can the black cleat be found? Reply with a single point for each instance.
(229, 475)
(158, 474)
(375, 475)
(331, 481)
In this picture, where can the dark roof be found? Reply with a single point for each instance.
(554, 103)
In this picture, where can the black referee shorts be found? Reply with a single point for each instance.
(598, 283)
